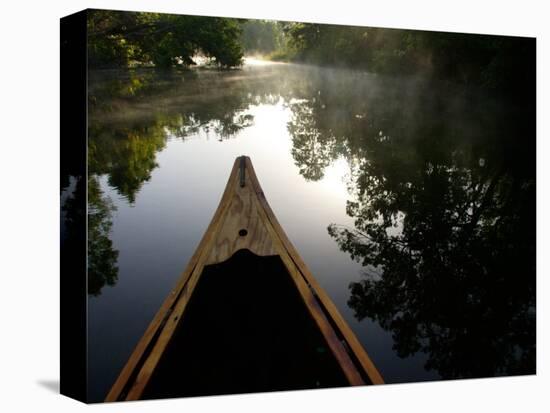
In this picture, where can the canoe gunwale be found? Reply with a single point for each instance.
(355, 363)
(355, 346)
(119, 389)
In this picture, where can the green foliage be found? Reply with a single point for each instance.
(328, 44)
(262, 36)
(108, 43)
(122, 39)
(490, 61)
(102, 257)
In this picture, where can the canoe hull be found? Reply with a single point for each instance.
(243, 221)
(245, 330)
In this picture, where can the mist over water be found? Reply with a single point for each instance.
(426, 189)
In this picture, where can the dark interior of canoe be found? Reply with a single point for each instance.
(246, 329)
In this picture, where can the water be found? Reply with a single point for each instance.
(430, 187)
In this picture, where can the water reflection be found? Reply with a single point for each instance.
(313, 149)
(444, 224)
(441, 192)
(127, 155)
(102, 257)
(127, 131)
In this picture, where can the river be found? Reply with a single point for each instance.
(411, 201)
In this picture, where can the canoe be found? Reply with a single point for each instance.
(245, 316)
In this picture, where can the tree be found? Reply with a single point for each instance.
(128, 38)
(262, 36)
(493, 62)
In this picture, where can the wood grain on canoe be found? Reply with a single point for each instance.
(243, 220)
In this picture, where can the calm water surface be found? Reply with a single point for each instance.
(411, 201)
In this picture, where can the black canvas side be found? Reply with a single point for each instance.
(73, 127)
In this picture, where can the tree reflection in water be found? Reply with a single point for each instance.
(126, 132)
(132, 114)
(443, 201)
(102, 257)
(442, 192)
